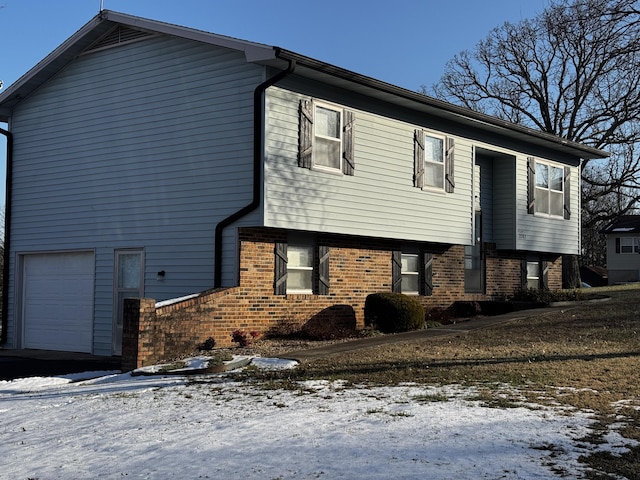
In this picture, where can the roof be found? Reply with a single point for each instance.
(624, 224)
(280, 58)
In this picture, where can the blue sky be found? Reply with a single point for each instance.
(402, 42)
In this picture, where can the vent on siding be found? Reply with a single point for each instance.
(120, 34)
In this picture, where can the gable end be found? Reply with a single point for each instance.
(117, 36)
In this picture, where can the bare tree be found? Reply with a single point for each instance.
(572, 71)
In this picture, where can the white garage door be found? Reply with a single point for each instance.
(58, 301)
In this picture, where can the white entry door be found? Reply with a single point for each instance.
(57, 301)
(129, 283)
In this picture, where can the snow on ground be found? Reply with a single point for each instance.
(211, 426)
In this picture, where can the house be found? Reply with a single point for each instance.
(258, 186)
(623, 247)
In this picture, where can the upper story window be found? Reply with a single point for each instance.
(433, 156)
(434, 161)
(549, 191)
(326, 137)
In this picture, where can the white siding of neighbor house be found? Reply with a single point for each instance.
(379, 200)
(621, 267)
(146, 145)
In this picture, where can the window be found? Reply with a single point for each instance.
(412, 273)
(301, 268)
(535, 273)
(433, 161)
(549, 189)
(325, 137)
(628, 245)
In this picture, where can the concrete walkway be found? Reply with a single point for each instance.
(454, 329)
(28, 363)
(44, 363)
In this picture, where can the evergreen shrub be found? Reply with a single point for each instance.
(392, 312)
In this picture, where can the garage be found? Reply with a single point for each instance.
(58, 301)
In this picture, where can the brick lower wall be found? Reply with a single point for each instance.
(357, 268)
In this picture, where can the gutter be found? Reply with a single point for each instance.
(437, 104)
(258, 148)
(7, 226)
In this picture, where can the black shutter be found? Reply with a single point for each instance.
(280, 270)
(617, 244)
(544, 276)
(348, 163)
(396, 271)
(523, 273)
(323, 270)
(531, 184)
(426, 282)
(450, 183)
(418, 159)
(305, 134)
(567, 193)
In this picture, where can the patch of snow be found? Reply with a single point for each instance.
(171, 301)
(158, 427)
(273, 363)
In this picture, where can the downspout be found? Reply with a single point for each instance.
(258, 148)
(7, 236)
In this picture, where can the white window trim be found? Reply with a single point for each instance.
(314, 165)
(404, 273)
(443, 138)
(533, 277)
(549, 190)
(634, 244)
(301, 269)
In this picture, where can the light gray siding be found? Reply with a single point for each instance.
(146, 145)
(541, 233)
(483, 179)
(379, 200)
(504, 203)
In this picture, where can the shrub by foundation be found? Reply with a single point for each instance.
(393, 312)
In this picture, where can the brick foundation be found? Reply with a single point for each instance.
(357, 268)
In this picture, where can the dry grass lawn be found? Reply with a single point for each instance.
(586, 356)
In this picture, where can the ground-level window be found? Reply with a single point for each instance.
(301, 268)
(412, 273)
(535, 273)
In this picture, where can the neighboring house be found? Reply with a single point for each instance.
(623, 249)
(151, 160)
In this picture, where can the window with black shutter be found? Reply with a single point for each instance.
(301, 268)
(325, 137)
(433, 161)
